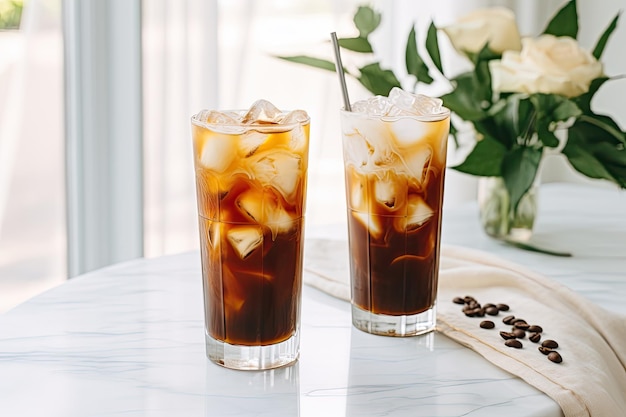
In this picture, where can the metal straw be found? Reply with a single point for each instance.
(342, 76)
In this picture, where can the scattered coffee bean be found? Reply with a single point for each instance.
(551, 344)
(508, 319)
(514, 343)
(487, 324)
(458, 300)
(489, 305)
(545, 350)
(519, 333)
(468, 298)
(514, 321)
(535, 329)
(535, 337)
(507, 335)
(521, 325)
(503, 307)
(492, 311)
(555, 357)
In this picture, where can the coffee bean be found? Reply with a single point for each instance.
(514, 321)
(519, 333)
(555, 357)
(535, 329)
(550, 344)
(545, 350)
(492, 311)
(535, 337)
(489, 305)
(458, 300)
(468, 298)
(502, 307)
(514, 343)
(487, 324)
(508, 319)
(507, 335)
(521, 325)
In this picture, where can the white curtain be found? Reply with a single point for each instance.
(32, 199)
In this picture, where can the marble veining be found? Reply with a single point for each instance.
(128, 340)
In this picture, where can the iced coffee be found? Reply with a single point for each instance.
(251, 171)
(395, 157)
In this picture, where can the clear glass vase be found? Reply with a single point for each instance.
(496, 216)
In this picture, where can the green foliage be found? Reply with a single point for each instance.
(10, 14)
(565, 22)
(513, 129)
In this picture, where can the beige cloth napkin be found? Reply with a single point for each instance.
(591, 380)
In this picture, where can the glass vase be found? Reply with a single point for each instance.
(496, 216)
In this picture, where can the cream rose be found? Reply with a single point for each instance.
(547, 64)
(495, 25)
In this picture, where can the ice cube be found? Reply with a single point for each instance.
(250, 203)
(371, 223)
(214, 234)
(418, 213)
(220, 122)
(416, 104)
(245, 239)
(373, 106)
(261, 112)
(217, 117)
(385, 191)
(295, 116)
(250, 142)
(356, 149)
(418, 163)
(265, 210)
(357, 185)
(218, 153)
(278, 220)
(281, 170)
(408, 131)
(367, 143)
(390, 190)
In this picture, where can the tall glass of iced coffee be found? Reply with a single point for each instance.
(395, 157)
(251, 171)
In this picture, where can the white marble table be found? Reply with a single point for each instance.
(128, 340)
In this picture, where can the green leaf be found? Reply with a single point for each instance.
(454, 133)
(584, 100)
(595, 153)
(414, 63)
(564, 22)
(432, 46)
(464, 100)
(597, 51)
(551, 108)
(607, 124)
(311, 62)
(519, 169)
(485, 159)
(366, 20)
(356, 44)
(377, 80)
(554, 108)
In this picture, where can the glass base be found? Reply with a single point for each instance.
(397, 326)
(253, 357)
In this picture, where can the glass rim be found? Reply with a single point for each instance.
(236, 128)
(434, 117)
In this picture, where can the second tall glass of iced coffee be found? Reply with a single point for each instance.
(395, 157)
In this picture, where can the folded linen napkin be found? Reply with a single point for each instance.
(591, 380)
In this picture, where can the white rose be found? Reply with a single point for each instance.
(547, 64)
(495, 25)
